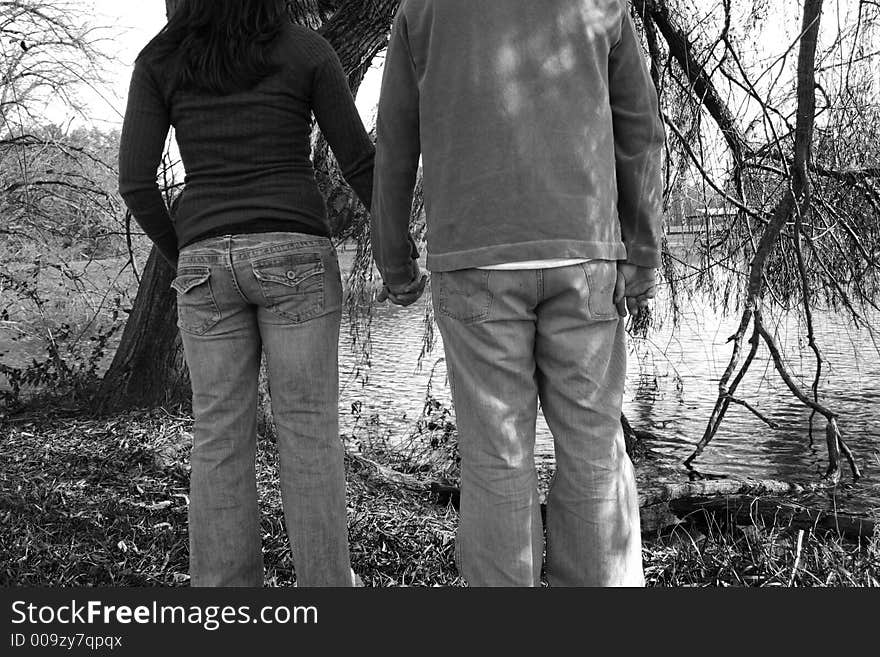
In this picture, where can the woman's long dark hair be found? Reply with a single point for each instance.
(219, 46)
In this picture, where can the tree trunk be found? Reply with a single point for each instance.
(148, 369)
(358, 31)
(312, 13)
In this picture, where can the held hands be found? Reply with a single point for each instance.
(635, 287)
(407, 293)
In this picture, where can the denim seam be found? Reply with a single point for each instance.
(199, 260)
(260, 276)
(230, 267)
(255, 253)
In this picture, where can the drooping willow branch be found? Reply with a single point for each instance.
(794, 204)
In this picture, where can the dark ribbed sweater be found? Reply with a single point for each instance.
(246, 154)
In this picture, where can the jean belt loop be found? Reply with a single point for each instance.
(227, 249)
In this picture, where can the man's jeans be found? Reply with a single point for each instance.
(238, 295)
(513, 338)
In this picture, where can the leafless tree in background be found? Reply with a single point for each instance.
(57, 185)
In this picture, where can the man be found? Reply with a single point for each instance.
(541, 143)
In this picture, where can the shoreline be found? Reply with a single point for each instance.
(90, 501)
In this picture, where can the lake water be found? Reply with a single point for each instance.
(671, 389)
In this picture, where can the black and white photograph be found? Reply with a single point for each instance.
(456, 294)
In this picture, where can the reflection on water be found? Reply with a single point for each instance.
(671, 389)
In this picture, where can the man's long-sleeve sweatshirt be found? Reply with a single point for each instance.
(538, 128)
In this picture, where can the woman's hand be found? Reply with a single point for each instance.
(407, 293)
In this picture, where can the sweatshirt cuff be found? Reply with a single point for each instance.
(399, 275)
(643, 255)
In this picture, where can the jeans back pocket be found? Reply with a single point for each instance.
(292, 284)
(601, 280)
(464, 294)
(197, 309)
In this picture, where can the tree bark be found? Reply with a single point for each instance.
(148, 368)
(358, 31)
(311, 13)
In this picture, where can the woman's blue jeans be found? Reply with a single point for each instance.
(239, 295)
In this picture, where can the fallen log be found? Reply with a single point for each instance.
(748, 510)
(378, 474)
(710, 487)
(744, 501)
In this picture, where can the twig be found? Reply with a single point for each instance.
(708, 178)
(755, 411)
(797, 556)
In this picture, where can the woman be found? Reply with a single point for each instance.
(255, 268)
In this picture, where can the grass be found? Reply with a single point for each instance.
(709, 552)
(93, 502)
(102, 502)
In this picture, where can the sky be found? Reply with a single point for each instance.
(132, 24)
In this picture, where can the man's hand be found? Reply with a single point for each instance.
(635, 287)
(408, 293)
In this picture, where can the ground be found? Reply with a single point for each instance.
(88, 501)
